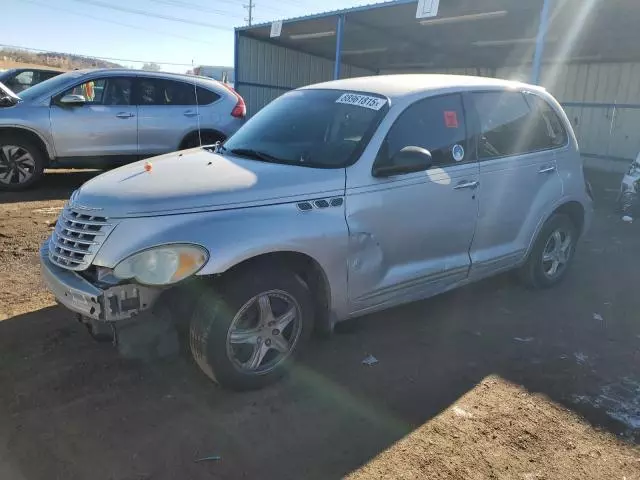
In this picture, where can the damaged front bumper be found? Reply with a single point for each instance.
(116, 303)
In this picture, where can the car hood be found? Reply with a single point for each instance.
(7, 92)
(199, 180)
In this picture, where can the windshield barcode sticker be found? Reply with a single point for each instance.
(374, 103)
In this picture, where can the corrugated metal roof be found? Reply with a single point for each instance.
(331, 13)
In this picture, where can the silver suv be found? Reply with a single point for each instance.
(334, 201)
(105, 118)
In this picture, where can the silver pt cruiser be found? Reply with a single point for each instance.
(334, 201)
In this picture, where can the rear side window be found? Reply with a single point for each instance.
(156, 91)
(436, 124)
(556, 133)
(512, 123)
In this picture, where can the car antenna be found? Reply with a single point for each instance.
(195, 92)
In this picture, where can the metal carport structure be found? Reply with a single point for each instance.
(584, 51)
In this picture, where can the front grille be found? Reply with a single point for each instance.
(77, 237)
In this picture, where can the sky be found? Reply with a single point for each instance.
(202, 35)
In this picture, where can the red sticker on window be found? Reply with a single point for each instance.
(451, 118)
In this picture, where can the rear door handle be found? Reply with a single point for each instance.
(466, 184)
(190, 113)
(125, 115)
(548, 169)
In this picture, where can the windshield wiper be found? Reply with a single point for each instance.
(259, 155)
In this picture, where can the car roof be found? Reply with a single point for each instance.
(147, 73)
(212, 83)
(398, 86)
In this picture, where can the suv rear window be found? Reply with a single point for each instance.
(157, 91)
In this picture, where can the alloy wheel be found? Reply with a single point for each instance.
(264, 332)
(557, 253)
(17, 165)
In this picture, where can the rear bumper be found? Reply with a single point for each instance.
(116, 303)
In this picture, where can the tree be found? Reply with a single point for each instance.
(153, 67)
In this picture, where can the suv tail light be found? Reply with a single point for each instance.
(240, 110)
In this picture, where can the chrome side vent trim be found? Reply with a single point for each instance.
(320, 204)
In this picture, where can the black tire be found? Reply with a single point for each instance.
(211, 322)
(535, 273)
(36, 170)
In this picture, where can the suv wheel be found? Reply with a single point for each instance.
(21, 163)
(244, 336)
(552, 253)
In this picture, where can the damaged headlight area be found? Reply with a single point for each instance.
(163, 265)
(634, 170)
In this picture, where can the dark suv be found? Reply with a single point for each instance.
(19, 79)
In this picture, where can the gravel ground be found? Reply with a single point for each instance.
(488, 382)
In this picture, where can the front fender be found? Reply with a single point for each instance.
(234, 236)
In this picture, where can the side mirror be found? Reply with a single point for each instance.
(407, 160)
(73, 100)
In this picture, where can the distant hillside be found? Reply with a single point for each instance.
(62, 61)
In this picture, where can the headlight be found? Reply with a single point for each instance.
(634, 169)
(163, 265)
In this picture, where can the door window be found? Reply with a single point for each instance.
(104, 91)
(436, 124)
(153, 91)
(511, 124)
(554, 133)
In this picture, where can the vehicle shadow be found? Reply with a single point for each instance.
(70, 407)
(78, 408)
(56, 185)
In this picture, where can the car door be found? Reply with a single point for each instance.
(410, 234)
(167, 114)
(103, 126)
(518, 177)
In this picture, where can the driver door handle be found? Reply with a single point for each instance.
(125, 115)
(467, 184)
(190, 113)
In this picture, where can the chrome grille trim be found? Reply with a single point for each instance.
(77, 238)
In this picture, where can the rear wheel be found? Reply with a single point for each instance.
(552, 254)
(21, 163)
(246, 334)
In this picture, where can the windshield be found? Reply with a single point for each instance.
(6, 73)
(313, 128)
(50, 85)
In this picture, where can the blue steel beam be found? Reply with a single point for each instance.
(542, 34)
(339, 34)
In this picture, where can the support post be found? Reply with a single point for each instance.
(542, 34)
(339, 33)
(236, 57)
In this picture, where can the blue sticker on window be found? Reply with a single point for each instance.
(458, 153)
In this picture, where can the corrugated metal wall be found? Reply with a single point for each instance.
(602, 101)
(266, 71)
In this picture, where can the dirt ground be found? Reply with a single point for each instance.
(6, 64)
(488, 382)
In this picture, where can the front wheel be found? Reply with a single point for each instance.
(246, 334)
(552, 253)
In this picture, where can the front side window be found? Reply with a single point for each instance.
(104, 91)
(312, 128)
(436, 124)
(511, 124)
